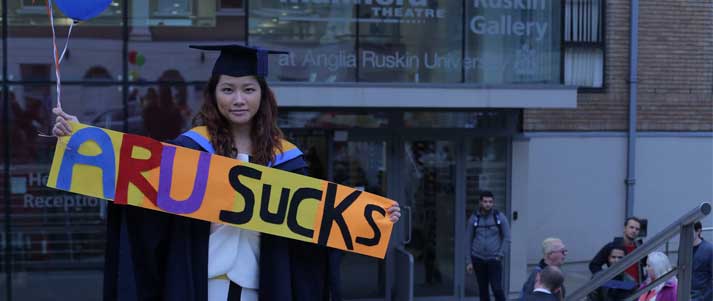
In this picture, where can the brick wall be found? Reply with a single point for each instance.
(675, 73)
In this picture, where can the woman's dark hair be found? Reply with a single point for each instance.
(264, 134)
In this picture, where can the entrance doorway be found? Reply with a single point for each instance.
(436, 176)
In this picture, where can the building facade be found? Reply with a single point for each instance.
(428, 102)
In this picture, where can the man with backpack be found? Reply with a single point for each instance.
(488, 235)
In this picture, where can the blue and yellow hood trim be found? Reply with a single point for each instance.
(200, 135)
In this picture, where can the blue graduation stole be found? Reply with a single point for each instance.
(200, 135)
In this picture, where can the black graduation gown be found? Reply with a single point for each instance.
(169, 256)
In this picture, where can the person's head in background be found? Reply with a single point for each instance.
(550, 278)
(615, 254)
(657, 264)
(554, 251)
(632, 227)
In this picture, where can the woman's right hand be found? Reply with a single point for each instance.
(61, 125)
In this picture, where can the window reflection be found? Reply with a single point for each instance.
(163, 111)
(330, 120)
(97, 40)
(477, 119)
(413, 43)
(51, 230)
(320, 38)
(231, 4)
(507, 43)
(34, 13)
(429, 187)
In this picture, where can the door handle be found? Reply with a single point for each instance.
(409, 227)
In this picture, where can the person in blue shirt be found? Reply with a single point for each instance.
(702, 281)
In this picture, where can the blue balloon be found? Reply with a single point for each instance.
(82, 10)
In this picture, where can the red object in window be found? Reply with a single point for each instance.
(132, 57)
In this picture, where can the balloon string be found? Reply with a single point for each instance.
(57, 61)
(66, 43)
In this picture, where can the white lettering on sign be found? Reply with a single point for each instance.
(506, 25)
(386, 11)
(367, 2)
(59, 201)
(397, 60)
(331, 61)
(37, 179)
(434, 61)
(495, 20)
(511, 4)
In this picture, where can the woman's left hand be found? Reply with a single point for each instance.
(394, 212)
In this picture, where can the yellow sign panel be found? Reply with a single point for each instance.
(139, 171)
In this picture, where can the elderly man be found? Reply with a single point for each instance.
(553, 254)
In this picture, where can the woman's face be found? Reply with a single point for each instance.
(650, 271)
(238, 98)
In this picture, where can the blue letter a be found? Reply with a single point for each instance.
(104, 160)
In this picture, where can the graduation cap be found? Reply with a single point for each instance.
(237, 60)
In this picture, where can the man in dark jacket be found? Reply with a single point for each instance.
(629, 243)
(548, 282)
(488, 235)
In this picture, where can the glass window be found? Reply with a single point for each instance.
(320, 38)
(477, 119)
(230, 4)
(163, 111)
(53, 230)
(332, 120)
(159, 39)
(584, 43)
(173, 13)
(362, 165)
(513, 42)
(168, 61)
(34, 13)
(417, 41)
(4, 142)
(506, 42)
(429, 181)
(95, 42)
(169, 8)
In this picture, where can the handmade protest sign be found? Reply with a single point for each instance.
(139, 171)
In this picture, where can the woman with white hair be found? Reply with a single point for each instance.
(657, 265)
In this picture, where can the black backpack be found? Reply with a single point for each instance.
(496, 215)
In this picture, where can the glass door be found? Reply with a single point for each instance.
(428, 179)
(362, 163)
(359, 160)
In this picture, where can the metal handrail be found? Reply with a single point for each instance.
(668, 242)
(654, 283)
(683, 227)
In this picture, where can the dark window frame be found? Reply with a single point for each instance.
(601, 44)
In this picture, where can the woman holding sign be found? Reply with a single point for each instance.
(178, 258)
